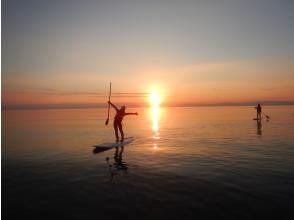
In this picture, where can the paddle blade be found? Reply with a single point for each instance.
(107, 120)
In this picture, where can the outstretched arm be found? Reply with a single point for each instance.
(135, 113)
(109, 102)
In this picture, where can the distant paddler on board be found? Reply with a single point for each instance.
(258, 113)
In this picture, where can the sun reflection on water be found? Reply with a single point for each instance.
(155, 114)
(155, 125)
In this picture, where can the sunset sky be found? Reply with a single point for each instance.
(203, 52)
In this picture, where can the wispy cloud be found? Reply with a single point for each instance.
(278, 88)
(55, 92)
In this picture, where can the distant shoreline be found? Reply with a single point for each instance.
(132, 105)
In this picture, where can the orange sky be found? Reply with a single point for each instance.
(199, 83)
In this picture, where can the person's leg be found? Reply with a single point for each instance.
(116, 131)
(121, 131)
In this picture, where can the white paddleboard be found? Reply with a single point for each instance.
(126, 141)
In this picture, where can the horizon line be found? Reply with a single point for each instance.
(136, 105)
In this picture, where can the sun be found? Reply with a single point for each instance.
(155, 99)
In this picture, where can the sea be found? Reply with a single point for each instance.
(183, 163)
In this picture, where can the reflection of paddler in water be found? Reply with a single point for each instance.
(259, 126)
(117, 124)
(118, 164)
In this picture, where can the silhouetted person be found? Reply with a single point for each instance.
(258, 112)
(117, 124)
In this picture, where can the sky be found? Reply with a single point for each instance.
(202, 51)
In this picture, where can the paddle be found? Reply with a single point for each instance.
(107, 120)
(266, 116)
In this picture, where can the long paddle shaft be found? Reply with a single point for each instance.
(107, 120)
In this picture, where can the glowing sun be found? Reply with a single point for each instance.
(155, 98)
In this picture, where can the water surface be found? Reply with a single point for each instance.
(204, 162)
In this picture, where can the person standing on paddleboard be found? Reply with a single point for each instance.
(117, 124)
(258, 112)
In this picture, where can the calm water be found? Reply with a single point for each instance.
(189, 163)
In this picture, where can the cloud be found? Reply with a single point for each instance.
(55, 92)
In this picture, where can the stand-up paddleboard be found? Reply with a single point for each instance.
(126, 141)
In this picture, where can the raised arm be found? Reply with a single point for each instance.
(113, 105)
(135, 113)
